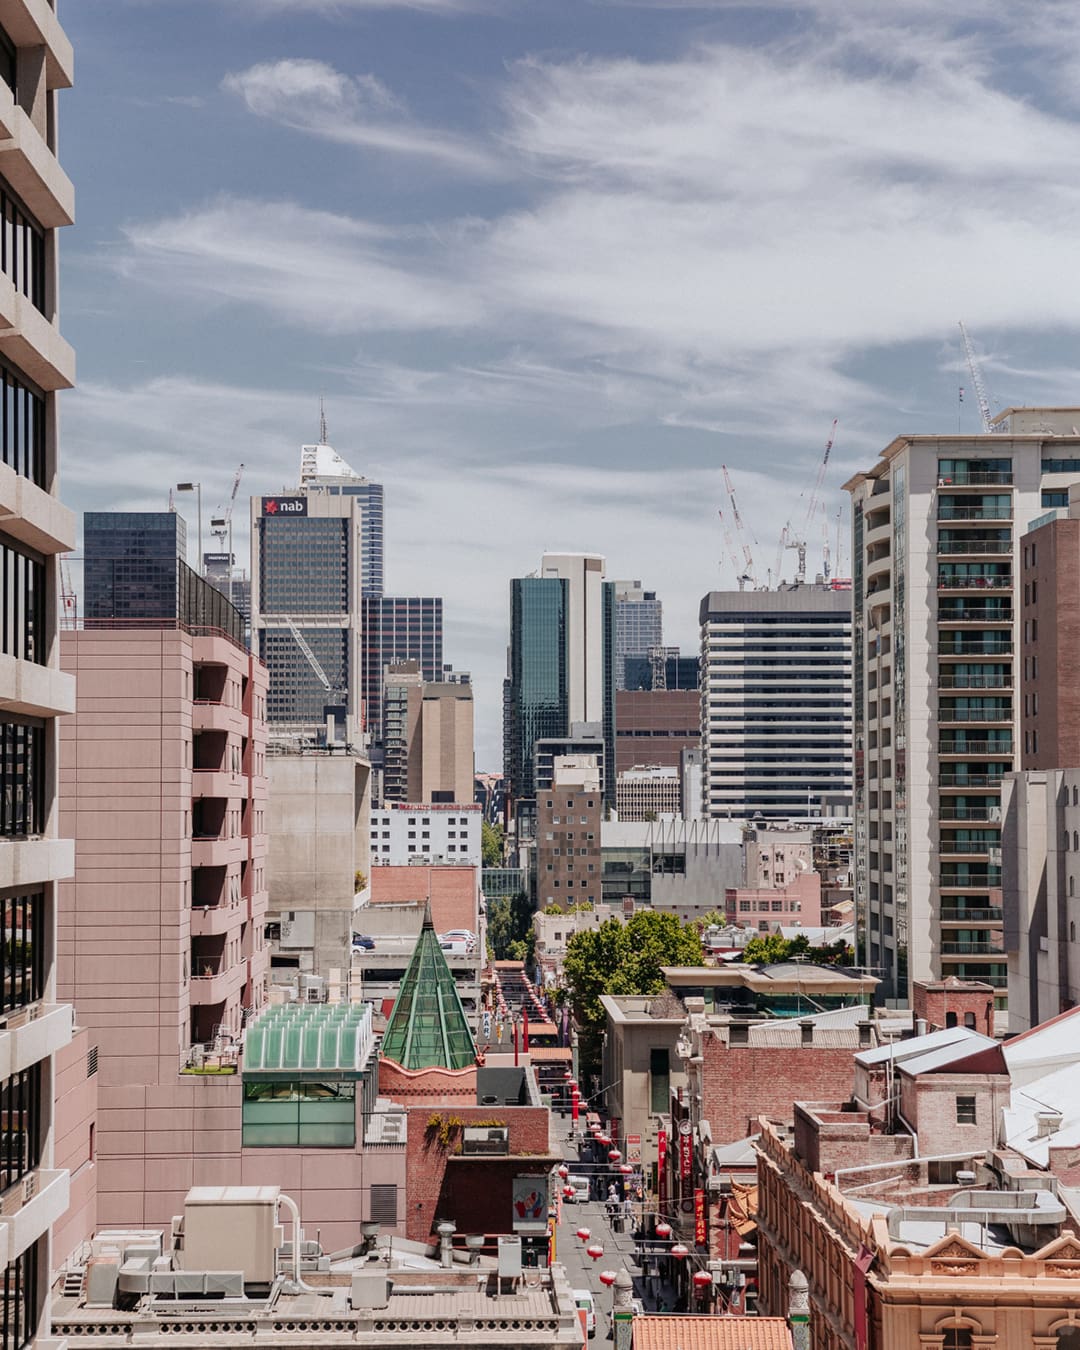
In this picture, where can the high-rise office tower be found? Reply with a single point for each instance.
(398, 628)
(639, 625)
(306, 580)
(561, 664)
(36, 198)
(776, 701)
(323, 471)
(131, 563)
(936, 718)
(221, 571)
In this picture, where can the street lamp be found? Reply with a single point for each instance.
(197, 489)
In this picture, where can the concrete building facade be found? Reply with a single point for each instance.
(36, 199)
(936, 524)
(319, 861)
(647, 792)
(440, 735)
(775, 700)
(655, 726)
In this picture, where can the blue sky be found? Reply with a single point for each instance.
(553, 262)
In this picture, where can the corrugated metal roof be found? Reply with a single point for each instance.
(667, 1332)
(963, 1041)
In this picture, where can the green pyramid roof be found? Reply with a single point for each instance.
(428, 1028)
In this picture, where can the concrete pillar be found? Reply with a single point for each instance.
(799, 1310)
(622, 1315)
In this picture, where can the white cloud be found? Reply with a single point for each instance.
(358, 110)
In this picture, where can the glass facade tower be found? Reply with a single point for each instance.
(130, 566)
(537, 693)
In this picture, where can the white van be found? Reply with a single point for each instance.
(580, 1187)
(583, 1299)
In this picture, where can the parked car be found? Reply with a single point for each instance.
(583, 1299)
(460, 935)
(362, 943)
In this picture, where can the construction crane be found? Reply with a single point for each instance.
(312, 659)
(796, 539)
(739, 530)
(68, 597)
(221, 527)
(729, 543)
(981, 395)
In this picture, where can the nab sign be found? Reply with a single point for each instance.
(284, 506)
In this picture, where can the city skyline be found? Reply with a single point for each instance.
(399, 206)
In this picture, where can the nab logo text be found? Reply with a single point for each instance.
(284, 506)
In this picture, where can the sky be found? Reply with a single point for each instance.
(553, 263)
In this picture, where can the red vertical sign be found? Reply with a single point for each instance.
(700, 1235)
(661, 1168)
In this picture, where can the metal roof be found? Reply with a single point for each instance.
(961, 1041)
(428, 1028)
(311, 1039)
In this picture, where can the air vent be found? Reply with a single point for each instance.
(384, 1205)
(91, 1061)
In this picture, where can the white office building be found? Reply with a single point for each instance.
(775, 701)
(437, 833)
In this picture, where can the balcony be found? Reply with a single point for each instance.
(950, 812)
(979, 882)
(207, 783)
(953, 644)
(985, 583)
(971, 847)
(967, 917)
(975, 714)
(32, 1207)
(211, 715)
(215, 920)
(961, 781)
(31, 1034)
(950, 510)
(977, 478)
(217, 850)
(977, 748)
(967, 547)
(215, 982)
(948, 679)
(971, 949)
(982, 614)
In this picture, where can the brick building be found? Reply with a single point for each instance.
(653, 726)
(1049, 596)
(568, 857)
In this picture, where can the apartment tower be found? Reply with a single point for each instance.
(776, 701)
(36, 199)
(938, 621)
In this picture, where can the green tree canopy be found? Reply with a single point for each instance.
(619, 958)
(491, 844)
(774, 948)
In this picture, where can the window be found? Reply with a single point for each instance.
(21, 1299)
(20, 1111)
(965, 1111)
(956, 1338)
(22, 777)
(24, 963)
(744, 906)
(659, 1081)
(22, 427)
(22, 603)
(298, 1114)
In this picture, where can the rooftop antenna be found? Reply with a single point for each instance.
(322, 422)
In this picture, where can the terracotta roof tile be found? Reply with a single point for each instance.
(672, 1332)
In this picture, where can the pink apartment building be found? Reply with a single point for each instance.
(161, 934)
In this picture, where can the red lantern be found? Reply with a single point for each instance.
(679, 1251)
(607, 1277)
(564, 1171)
(702, 1281)
(584, 1234)
(626, 1170)
(568, 1192)
(663, 1230)
(594, 1250)
(614, 1155)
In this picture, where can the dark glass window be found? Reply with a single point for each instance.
(20, 1125)
(22, 427)
(22, 776)
(659, 1081)
(22, 247)
(24, 950)
(22, 603)
(21, 1300)
(1052, 498)
(7, 60)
